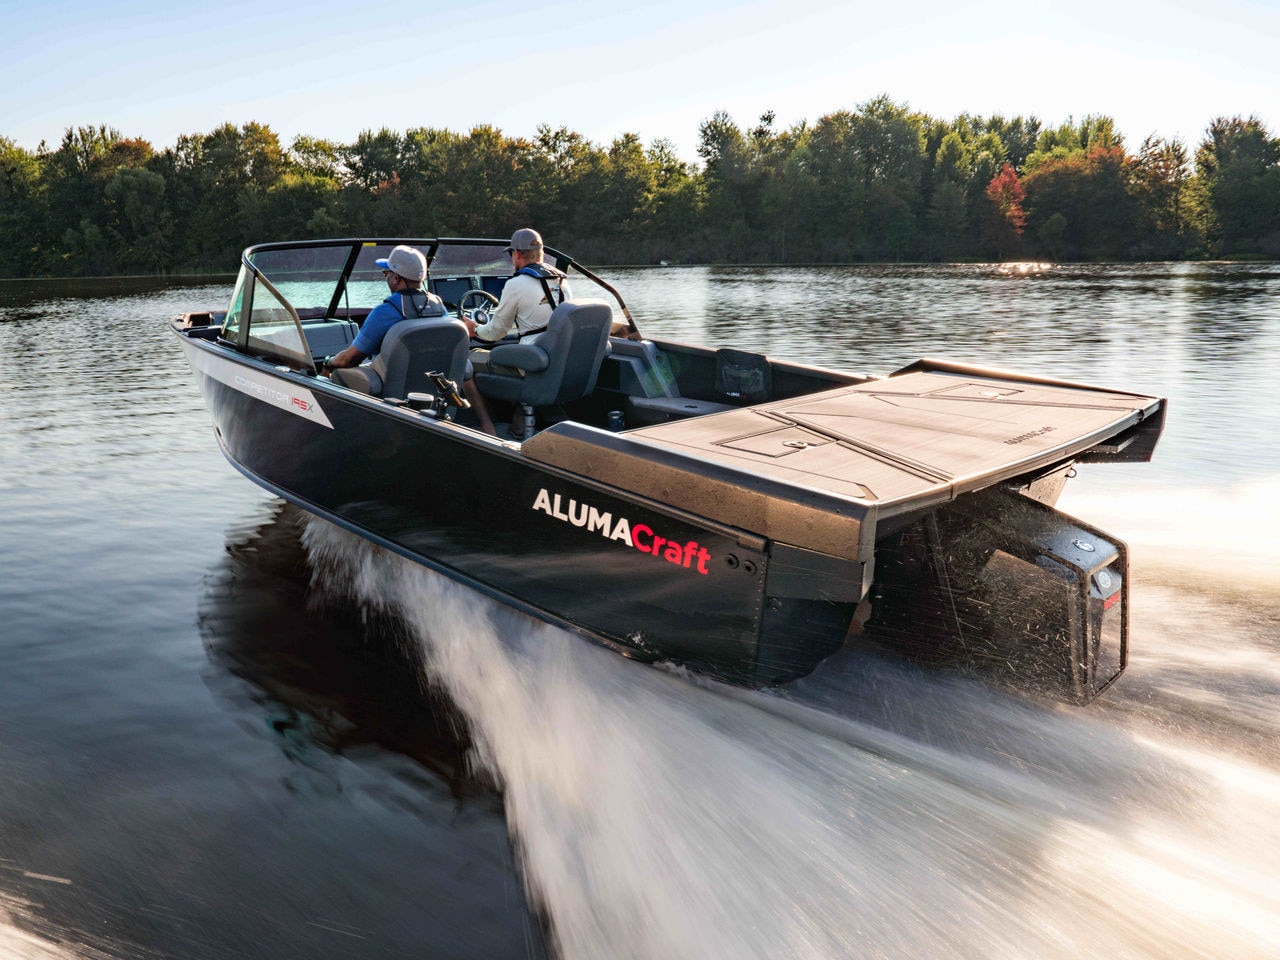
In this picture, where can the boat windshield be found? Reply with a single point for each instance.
(311, 277)
(263, 322)
(284, 286)
(454, 259)
(305, 276)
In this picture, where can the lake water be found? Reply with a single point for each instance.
(229, 731)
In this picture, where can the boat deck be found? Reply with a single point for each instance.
(894, 440)
(811, 469)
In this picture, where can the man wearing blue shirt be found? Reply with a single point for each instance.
(404, 269)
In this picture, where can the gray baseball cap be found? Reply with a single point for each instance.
(524, 239)
(407, 262)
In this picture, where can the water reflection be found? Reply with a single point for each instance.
(19, 294)
(369, 742)
(327, 678)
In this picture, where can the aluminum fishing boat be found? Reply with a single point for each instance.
(738, 514)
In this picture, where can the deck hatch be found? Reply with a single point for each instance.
(976, 391)
(777, 443)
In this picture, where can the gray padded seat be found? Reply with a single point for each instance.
(560, 366)
(410, 350)
(327, 337)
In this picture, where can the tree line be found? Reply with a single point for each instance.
(877, 182)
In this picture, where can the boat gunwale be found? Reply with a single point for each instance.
(486, 443)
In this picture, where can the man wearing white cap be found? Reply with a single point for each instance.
(404, 270)
(527, 298)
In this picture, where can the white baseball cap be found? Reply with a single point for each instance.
(407, 262)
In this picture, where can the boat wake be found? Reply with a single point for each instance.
(1213, 539)
(17, 942)
(876, 808)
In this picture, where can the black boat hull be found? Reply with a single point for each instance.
(654, 582)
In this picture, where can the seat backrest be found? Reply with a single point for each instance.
(575, 341)
(413, 348)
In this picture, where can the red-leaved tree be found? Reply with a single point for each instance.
(1005, 219)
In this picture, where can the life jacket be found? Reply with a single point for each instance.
(542, 273)
(417, 303)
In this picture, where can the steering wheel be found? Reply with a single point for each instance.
(479, 315)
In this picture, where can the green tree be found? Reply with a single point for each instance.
(213, 185)
(1091, 191)
(726, 169)
(948, 223)
(1161, 176)
(1238, 184)
(775, 215)
(297, 205)
(749, 190)
(425, 154)
(250, 155)
(574, 175)
(1018, 137)
(1072, 139)
(1053, 235)
(186, 183)
(139, 223)
(631, 181)
(951, 163)
(829, 185)
(987, 160)
(889, 143)
(872, 182)
(21, 213)
(667, 166)
(374, 159)
(490, 184)
(672, 216)
(85, 252)
(970, 153)
(72, 197)
(315, 157)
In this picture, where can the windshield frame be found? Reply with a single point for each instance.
(430, 247)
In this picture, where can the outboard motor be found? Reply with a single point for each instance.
(1010, 587)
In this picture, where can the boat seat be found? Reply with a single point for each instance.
(560, 366)
(646, 411)
(411, 350)
(327, 337)
(741, 379)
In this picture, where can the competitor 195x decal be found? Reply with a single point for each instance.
(276, 391)
(688, 555)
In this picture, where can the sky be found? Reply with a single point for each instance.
(326, 69)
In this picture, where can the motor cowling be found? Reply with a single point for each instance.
(1010, 588)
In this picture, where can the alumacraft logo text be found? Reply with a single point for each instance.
(688, 555)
